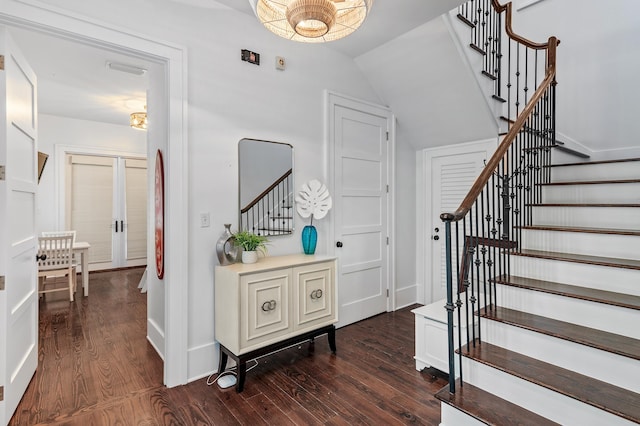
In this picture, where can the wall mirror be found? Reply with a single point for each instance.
(266, 187)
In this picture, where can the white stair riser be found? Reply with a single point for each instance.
(604, 245)
(592, 217)
(619, 280)
(450, 416)
(628, 193)
(596, 315)
(624, 170)
(611, 368)
(547, 403)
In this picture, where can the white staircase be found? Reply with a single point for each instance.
(563, 341)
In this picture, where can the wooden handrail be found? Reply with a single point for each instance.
(266, 191)
(493, 163)
(508, 7)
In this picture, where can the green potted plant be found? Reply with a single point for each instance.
(250, 244)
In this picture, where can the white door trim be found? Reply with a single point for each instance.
(424, 250)
(37, 16)
(333, 99)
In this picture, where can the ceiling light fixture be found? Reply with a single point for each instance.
(312, 21)
(131, 69)
(138, 120)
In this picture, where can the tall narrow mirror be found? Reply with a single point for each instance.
(266, 187)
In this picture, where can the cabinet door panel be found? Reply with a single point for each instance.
(265, 306)
(313, 295)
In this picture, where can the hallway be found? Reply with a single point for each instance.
(97, 368)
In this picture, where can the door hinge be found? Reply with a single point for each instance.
(1, 282)
(2, 168)
(1, 62)
(387, 240)
(1, 393)
(387, 189)
(387, 136)
(387, 292)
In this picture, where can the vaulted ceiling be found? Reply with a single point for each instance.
(402, 50)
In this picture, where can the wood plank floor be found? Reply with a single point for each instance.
(97, 368)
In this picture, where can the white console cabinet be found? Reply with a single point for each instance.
(271, 304)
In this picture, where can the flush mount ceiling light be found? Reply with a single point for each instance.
(312, 21)
(138, 120)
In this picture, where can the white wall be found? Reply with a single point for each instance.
(598, 67)
(424, 80)
(229, 100)
(80, 136)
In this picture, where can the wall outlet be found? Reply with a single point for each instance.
(205, 220)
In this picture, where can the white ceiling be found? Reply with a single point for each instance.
(73, 80)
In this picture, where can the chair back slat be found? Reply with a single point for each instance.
(58, 252)
(60, 234)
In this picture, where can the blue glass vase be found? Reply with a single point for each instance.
(309, 239)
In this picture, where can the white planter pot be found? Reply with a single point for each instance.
(249, 256)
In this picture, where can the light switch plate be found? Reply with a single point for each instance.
(280, 63)
(204, 220)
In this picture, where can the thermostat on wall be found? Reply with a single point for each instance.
(251, 57)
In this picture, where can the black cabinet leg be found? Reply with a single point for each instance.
(242, 374)
(331, 335)
(222, 362)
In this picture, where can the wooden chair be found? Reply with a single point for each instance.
(55, 259)
(59, 234)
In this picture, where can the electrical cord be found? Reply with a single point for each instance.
(228, 372)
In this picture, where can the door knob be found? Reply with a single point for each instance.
(436, 237)
(41, 257)
(339, 244)
(436, 230)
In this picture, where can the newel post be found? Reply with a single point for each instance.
(447, 218)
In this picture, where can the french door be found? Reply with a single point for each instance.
(106, 203)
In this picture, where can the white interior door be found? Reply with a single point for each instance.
(453, 171)
(18, 241)
(361, 211)
(107, 205)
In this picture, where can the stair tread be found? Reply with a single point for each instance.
(610, 231)
(613, 399)
(489, 408)
(568, 290)
(466, 21)
(603, 340)
(591, 182)
(581, 258)
(582, 205)
(588, 163)
(560, 146)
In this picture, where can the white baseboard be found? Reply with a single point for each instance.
(202, 361)
(155, 336)
(406, 296)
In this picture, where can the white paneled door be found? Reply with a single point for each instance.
(106, 201)
(18, 241)
(453, 171)
(361, 211)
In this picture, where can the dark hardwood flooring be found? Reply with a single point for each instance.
(97, 368)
